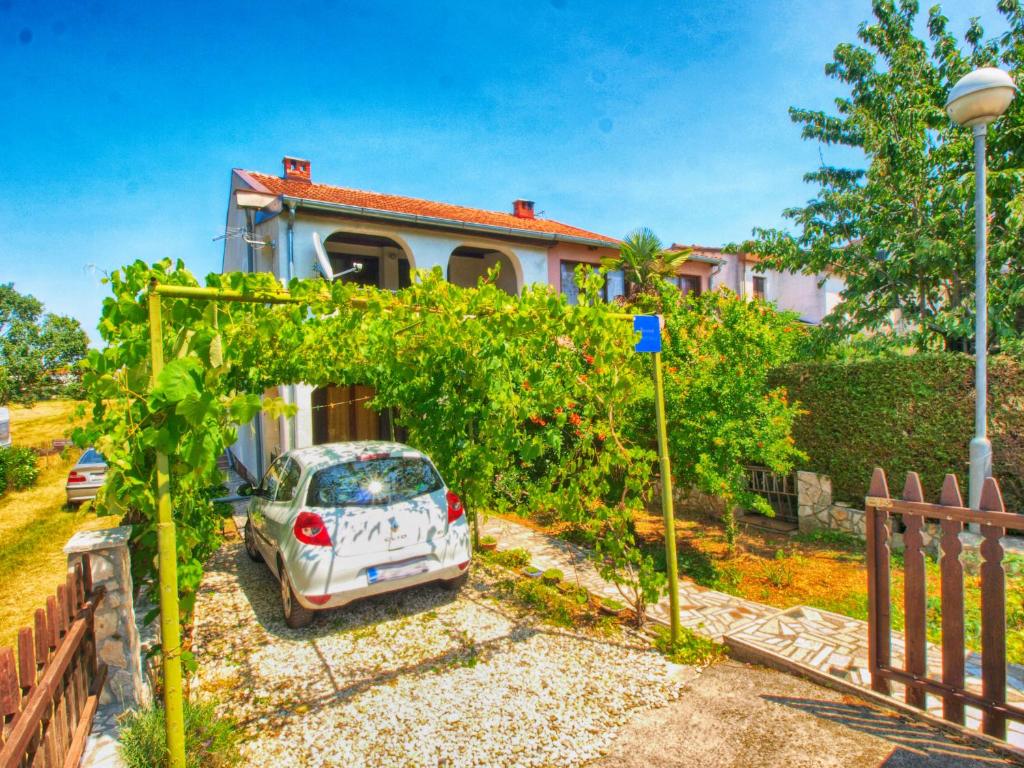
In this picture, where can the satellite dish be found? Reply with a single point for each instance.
(323, 264)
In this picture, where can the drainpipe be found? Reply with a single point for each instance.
(293, 429)
(711, 275)
(250, 263)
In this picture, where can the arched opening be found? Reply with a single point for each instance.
(339, 412)
(467, 264)
(385, 264)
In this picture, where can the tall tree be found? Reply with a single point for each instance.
(39, 353)
(900, 228)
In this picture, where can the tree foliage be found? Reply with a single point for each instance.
(39, 352)
(899, 228)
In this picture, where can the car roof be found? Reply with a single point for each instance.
(329, 454)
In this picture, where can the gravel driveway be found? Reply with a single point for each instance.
(418, 678)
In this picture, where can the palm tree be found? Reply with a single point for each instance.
(644, 261)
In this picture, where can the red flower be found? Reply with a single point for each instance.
(574, 419)
(558, 411)
(589, 359)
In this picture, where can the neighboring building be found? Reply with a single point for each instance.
(271, 225)
(810, 296)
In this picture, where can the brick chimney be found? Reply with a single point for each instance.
(296, 169)
(522, 209)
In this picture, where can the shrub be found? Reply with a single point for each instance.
(905, 413)
(552, 576)
(777, 572)
(19, 468)
(211, 741)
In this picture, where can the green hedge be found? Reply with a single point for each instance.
(905, 413)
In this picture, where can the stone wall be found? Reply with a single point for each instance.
(817, 512)
(117, 637)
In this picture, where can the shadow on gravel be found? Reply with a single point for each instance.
(260, 589)
(917, 745)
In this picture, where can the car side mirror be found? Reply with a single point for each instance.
(246, 489)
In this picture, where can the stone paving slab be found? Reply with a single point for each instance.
(818, 640)
(838, 646)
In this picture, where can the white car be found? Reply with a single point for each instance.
(342, 521)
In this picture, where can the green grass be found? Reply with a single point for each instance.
(691, 649)
(513, 559)
(211, 741)
(841, 540)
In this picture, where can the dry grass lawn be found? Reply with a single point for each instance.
(35, 523)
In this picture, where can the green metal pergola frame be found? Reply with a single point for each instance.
(170, 626)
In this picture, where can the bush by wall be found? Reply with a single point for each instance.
(19, 468)
(905, 413)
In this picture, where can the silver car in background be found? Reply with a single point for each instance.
(86, 477)
(342, 521)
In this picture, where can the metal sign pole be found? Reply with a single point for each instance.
(667, 507)
(649, 328)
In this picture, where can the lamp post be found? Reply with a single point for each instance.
(976, 100)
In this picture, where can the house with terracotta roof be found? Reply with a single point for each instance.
(278, 223)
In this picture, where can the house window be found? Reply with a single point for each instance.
(687, 284)
(614, 285)
(760, 285)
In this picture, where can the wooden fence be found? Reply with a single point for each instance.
(950, 511)
(50, 692)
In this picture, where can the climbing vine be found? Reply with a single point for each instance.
(524, 402)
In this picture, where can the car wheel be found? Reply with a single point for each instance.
(250, 543)
(295, 616)
(454, 585)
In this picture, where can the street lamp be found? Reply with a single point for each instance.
(976, 100)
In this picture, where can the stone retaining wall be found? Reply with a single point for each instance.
(117, 637)
(817, 511)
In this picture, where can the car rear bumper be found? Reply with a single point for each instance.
(82, 491)
(331, 584)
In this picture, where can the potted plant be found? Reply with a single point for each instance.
(532, 572)
(552, 576)
(488, 543)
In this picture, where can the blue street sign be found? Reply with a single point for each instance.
(649, 328)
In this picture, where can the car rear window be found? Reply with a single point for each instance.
(375, 481)
(92, 456)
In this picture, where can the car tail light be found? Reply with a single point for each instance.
(455, 507)
(318, 599)
(310, 529)
(75, 477)
(464, 566)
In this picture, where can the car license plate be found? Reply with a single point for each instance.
(397, 571)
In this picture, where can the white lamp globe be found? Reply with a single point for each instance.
(980, 97)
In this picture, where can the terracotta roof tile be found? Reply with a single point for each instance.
(410, 205)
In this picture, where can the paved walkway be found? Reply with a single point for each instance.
(803, 637)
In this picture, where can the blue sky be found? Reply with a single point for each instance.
(120, 122)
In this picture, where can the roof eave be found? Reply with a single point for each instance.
(437, 221)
